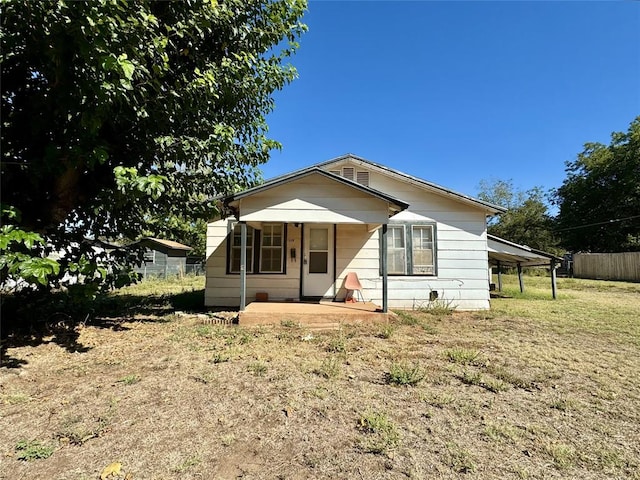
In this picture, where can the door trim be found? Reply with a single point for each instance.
(333, 261)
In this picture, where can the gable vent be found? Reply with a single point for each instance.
(348, 172)
(362, 178)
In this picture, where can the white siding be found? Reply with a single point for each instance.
(462, 266)
(222, 289)
(314, 198)
(461, 248)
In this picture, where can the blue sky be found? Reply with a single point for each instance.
(456, 92)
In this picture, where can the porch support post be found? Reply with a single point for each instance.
(554, 287)
(499, 276)
(520, 278)
(243, 265)
(383, 252)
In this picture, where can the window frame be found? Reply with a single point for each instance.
(149, 259)
(254, 250)
(272, 247)
(231, 247)
(407, 232)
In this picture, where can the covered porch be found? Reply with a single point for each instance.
(314, 208)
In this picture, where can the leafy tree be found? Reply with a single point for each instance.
(599, 201)
(115, 113)
(527, 220)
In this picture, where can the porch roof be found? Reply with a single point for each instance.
(327, 198)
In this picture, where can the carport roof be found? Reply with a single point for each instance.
(510, 253)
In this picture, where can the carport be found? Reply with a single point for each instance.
(505, 253)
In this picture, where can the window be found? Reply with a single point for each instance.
(396, 260)
(411, 249)
(149, 256)
(265, 249)
(422, 249)
(271, 248)
(236, 245)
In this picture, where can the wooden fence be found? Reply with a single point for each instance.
(607, 266)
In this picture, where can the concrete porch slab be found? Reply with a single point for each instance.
(311, 314)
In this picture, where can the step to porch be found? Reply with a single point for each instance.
(323, 315)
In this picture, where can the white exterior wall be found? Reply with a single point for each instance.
(462, 265)
(357, 250)
(461, 249)
(314, 198)
(223, 290)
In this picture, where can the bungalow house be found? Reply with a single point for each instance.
(297, 236)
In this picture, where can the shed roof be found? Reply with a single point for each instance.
(165, 243)
(510, 253)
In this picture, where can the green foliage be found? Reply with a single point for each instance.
(130, 379)
(330, 368)
(439, 307)
(404, 374)
(382, 434)
(259, 369)
(122, 119)
(29, 450)
(527, 220)
(406, 318)
(599, 200)
(337, 344)
(462, 356)
(460, 460)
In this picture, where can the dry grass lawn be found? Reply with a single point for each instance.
(536, 388)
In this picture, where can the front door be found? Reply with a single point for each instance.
(317, 263)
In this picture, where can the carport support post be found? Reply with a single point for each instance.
(499, 276)
(243, 265)
(520, 279)
(554, 286)
(383, 253)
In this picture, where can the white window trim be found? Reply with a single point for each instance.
(407, 232)
(233, 248)
(272, 247)
(152, 258)
(395, 249)
(432, 266)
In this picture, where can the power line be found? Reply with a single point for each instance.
(606, 222)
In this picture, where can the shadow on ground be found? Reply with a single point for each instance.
(57, 319)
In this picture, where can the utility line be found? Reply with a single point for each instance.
(615, 220)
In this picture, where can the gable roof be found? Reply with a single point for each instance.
(433, 187)
(281, 180)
